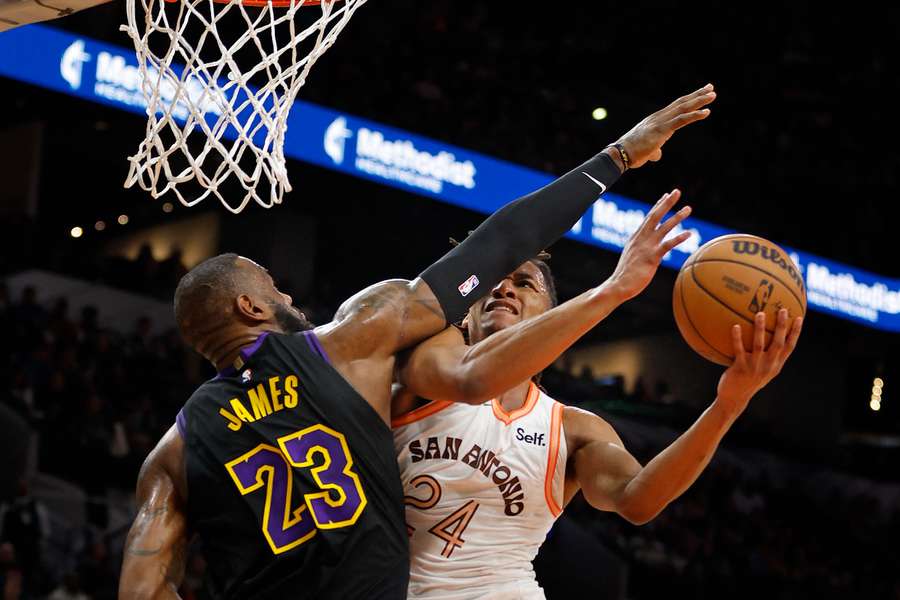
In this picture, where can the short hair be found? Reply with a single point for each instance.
(201, 293)
(541, 261)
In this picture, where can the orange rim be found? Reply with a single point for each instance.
(278, 3)
(258, 3)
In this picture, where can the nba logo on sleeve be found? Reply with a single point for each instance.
(466, 287)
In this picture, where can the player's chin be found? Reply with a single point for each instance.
(305, 324)
(499, 319)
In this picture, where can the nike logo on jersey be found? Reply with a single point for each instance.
(530, 438)
(599, 183)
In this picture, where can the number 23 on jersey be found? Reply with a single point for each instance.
(338, 502)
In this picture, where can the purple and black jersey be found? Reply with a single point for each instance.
(293, 486)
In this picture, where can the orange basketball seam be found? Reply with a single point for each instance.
(687, 314)
(710, 294)
(775, 277)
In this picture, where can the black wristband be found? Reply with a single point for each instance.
(516, 233)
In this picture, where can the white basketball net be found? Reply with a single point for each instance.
(208, 124)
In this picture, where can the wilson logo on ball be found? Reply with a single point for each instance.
(754, 248)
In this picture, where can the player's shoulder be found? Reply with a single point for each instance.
(211, 392)
(580, 415)
(584, 425)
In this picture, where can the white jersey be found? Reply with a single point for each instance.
(483, 487)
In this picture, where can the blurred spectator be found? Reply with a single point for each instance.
(69, 589)
(26, 527)
(171, 269)
(10, 573)
(640, 392)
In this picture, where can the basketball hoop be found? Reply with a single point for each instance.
(216, 126)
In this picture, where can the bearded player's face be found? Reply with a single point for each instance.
(288, 318)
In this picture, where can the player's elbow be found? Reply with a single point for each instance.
(476, 379)
(638, 517)
(638, 513)
(470, 387)
(452, 383)
(629, 505)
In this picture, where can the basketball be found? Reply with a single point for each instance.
(728, 280)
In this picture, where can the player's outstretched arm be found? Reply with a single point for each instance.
(400, 314)
(611, 479)
(155, 549)
(445, 368)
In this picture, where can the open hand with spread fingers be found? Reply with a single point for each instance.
(645, 140)
(751, 371)
(647, 246)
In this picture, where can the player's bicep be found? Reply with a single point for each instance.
(155, 549)
(389, 316)
(435, 368)
(603, 468)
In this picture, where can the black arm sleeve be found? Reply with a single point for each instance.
(514, 234)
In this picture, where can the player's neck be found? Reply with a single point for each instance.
(515, 398)
(225, 355)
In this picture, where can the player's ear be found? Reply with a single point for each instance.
(249, 308)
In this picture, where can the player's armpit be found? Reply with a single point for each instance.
(599, 464)
(156, 547)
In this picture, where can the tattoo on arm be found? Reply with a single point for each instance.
(175, 570)
(142, 552)
(141, 523)
(391, 315)
(156, 547)
(432, 305)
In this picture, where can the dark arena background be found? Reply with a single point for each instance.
(802, 500)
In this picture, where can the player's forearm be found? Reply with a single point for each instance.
(152, 569)
(516, 233)
(674, 469)
(155, 551)
(146, 580)
(513, 355)
(167, 592)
